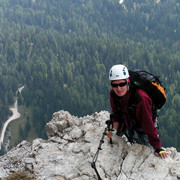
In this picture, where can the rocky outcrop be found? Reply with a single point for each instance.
(70, 148)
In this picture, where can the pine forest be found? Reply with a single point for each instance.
(61, 52)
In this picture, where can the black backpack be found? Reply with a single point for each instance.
(149, 83)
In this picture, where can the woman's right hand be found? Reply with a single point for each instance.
(109, 134)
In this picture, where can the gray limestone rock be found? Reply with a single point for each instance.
(70, 148)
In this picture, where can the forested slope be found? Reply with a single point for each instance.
(62, 52)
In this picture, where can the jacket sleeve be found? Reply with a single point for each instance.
(144, 117)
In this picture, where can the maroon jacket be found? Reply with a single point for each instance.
(143, 115)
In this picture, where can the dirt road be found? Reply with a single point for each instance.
(14, 116)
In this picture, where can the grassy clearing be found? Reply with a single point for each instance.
(15, 125)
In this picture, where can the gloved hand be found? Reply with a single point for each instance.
(161, 153)
(111, 132)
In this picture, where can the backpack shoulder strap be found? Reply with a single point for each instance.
(135, 98)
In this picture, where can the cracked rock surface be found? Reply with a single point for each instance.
(70, 148)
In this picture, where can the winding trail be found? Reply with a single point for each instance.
(14, 116)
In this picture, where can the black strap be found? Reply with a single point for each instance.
(135, 98)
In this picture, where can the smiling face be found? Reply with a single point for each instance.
(120, 87)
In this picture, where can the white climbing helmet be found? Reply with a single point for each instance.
(118, 72)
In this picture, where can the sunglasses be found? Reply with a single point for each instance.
(120, 84)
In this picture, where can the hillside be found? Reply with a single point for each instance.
(62, 51)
